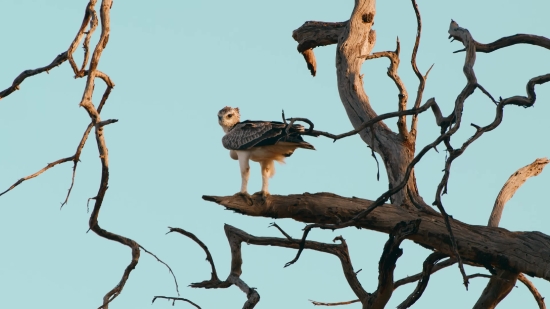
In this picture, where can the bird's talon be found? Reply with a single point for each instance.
(246, 197)
(264, 195)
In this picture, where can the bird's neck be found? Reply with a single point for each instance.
(226, 129)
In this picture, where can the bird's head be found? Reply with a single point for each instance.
(228, 117)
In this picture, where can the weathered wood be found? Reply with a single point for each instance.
(315, 33)
(502, 281)
(525, 252)
(497, 289)
(512, 185)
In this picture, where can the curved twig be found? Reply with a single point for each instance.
(167, 266)
(47, 167)
(209, 258)
(440, 120)
(427, 270)
(173, 299)
(415, 278)
(403, 96)
(538, 298)
(421, 78)
(511, 40)
(59, 59)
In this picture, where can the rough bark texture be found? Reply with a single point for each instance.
(515, 251)
(512, 185)
(352, 50)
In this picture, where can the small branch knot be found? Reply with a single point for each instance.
(367, 18)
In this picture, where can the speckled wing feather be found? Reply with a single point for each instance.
(247, 134)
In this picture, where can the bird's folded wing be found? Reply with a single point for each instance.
(248, 134)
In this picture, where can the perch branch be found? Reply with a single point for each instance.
(500, 248)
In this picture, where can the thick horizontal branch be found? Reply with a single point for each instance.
(515, 251)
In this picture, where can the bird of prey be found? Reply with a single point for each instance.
(259, 141)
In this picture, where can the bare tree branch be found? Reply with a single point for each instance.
(214, 277)
(47, 167)
(500, 284)
(316, 303)
(314, 33)
(534, 291)
(386, 266)
(421, 78)
(173, 299)
(236, 237)
(430, 103)
(167, 266)
(427, 270)
(511, 40)
(90, 18)
(513, 183)
(403, 96)
(59, 59)
(415, 278)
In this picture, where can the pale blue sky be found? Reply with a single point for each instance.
(175, 64)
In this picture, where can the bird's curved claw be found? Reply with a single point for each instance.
(246, 197)
(264, 195)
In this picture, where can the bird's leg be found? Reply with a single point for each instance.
(245, 169)
(245, 174)
(268, 169)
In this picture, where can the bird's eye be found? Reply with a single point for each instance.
(230, 115)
